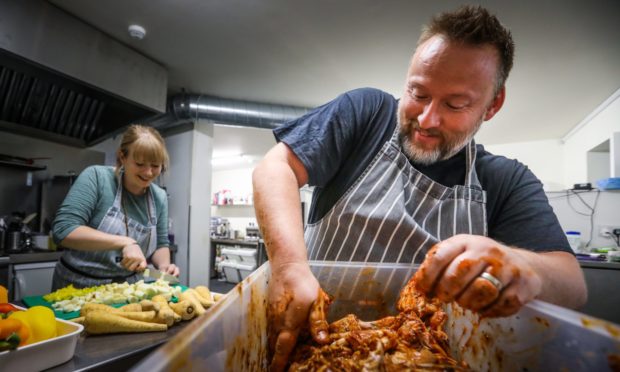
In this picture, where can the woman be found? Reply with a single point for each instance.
(114, 219)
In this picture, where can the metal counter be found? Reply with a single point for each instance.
(116, 352)
(602, 279)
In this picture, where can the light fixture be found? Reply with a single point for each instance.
(137, 32)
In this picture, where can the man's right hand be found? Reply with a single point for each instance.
(292, 292)
(133, 258)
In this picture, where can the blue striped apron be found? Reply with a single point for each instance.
(90, 268)
(393, 213)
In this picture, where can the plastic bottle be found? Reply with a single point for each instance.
(574, 239)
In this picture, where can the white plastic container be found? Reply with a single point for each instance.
(613, 256)
(232, 336)
(574, 239)
(236, 271)
(245, 255)
(45, 354)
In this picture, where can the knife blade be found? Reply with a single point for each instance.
(154, 274)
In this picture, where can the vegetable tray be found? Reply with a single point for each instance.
(39, 301)
(44, 354)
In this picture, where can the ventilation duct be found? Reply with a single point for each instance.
(191, 107)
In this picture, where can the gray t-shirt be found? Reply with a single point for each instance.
(337, 141)
(93, 194)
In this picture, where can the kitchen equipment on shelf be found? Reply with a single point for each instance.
(252, 232)
(18, 234)
(220, 228)
(40, 241)
(53, 192)
(14, 242)
(15, 235)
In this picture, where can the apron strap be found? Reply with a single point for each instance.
(471, 177)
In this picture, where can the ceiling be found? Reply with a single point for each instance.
(305, 53)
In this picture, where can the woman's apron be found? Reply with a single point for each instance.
(394, 213)
(90, 268)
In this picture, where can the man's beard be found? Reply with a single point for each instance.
(447, 148)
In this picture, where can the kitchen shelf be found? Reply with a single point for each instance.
(30, 167)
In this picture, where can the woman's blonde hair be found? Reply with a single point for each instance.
(147, 144)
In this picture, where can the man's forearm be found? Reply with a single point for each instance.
(562, 279)
(278, 211)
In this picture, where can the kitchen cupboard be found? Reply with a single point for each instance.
(603, 295)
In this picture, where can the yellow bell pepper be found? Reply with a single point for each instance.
(4, 295)
(40, 320)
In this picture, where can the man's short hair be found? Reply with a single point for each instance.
(474, 25)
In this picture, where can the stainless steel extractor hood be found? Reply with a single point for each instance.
(64, 81)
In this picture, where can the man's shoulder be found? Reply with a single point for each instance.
(499, 168)
(496, 161)
(369, 94)
(373, 109)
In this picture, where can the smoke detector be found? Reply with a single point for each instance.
(137, 32)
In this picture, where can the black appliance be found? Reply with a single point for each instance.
(53, 192)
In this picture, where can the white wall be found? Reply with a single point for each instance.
(189, 186)
(560, 163)
(594, 130)
(544, 158)
(108, 147)
(239, 182)
(614, 152)
(176, 181)
(598, 166)
(200, 204)
(574, 211)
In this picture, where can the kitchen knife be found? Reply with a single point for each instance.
(153, 275)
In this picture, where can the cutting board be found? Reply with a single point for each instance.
(39, 301)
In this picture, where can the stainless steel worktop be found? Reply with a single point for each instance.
(600, 265)
(20, 258)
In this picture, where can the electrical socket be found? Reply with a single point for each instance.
(607, 231)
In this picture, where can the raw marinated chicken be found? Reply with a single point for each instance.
(412, 340)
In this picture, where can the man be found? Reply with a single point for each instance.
(395, 178)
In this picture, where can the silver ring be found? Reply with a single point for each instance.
(493, 280)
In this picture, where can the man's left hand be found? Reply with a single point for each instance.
(454, 271)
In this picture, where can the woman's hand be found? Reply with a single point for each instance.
(133, 258)
(171, 269)
(455, 270)
(292, 292)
